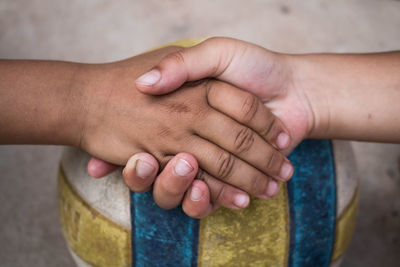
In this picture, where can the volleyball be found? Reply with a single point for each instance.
(309, 223)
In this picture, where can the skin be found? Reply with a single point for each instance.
(96, 107)
(342, 96)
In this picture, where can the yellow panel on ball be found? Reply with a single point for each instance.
(259, 233)
(93, 237)
(344, 228)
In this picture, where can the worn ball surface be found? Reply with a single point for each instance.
(309, 223)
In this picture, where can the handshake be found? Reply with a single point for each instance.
(219, 118)
(210, 126)
(204, 126)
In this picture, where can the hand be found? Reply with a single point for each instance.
(327, 96)
(210, 55)
(184, 110)
(171, 189)
(255, 69)
(351, 96)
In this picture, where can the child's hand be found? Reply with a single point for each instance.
(272, 77)
(121, 122)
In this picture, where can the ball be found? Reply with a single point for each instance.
(309, 223)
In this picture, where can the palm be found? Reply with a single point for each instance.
(269, 76)
(290, 106)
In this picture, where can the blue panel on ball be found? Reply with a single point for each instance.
(161, 237)
(312, 199)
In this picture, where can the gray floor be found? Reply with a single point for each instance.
(100, 30)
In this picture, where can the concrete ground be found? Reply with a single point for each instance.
(100, 30)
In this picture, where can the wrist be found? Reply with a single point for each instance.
(76, 106)
(99, 86)
(311, 83)
(354, 96)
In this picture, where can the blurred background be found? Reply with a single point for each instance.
(100, 30)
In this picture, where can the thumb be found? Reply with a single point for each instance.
(210, 58)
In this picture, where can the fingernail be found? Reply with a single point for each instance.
(273, 188)
(282, 141)
(144, 169)
(196, 194)
(183, 168)
(149, 78)
(241, 201)
(286, 171)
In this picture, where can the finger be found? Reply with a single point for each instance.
(196, 202)
(273, 188)
(172, 183)
(140, 172)
(181, 66)
(222, 194)
(248, 109)
(98, 168)
(244, 144)
(229, 169)
(240, 63)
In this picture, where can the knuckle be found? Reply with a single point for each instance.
(225, 165)
(249, 108)
(218, 198)
(244, 140)
(273, 162)
(258, 185)
(266, 130)
(178, 56)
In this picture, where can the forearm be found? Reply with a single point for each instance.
(353, 97)
(40, 102)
